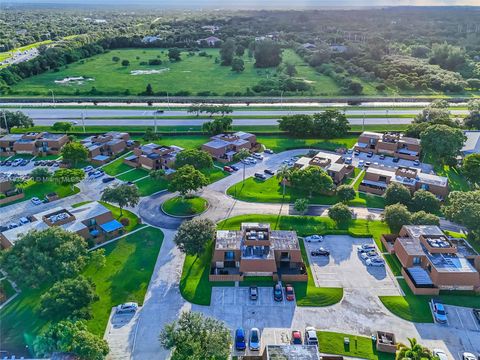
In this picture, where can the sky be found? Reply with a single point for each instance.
(259, 4)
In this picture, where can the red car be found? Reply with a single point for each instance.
(227, 169)
(296, 337)
(289, 292)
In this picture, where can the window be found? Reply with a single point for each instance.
(284, 256)
(93, 222)
(229, 255)
(382, 179)
(417, 260)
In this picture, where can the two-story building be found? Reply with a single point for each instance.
(390, 144)
(431, 261)
(332, 163)
(102, 148)
(153, 157)
(33, 143)
(256, 250)
(8, 192)
(377, 179)
(92, 221)
(223, 147)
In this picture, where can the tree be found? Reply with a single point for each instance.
(40, 174)
(330, 124)
(447, 56)
(313, 179)
(464, 208)
(115, 59)
(14, 119)
(296, 125)
(194, 336)
(301, 205)
(435, 114)
(238, 65)
(397, 193)
(415, 129)
(122, 195)
(396, 216)
(174, 54)
(474, 84)
(187, 179)
(472, 120)
(199, 159)
(63, 126)
(218, 126)
(71, 337)
(353, 88)
(149, 90)
(426, 201)
(443, 141)
(267, 54)
(471, 168)
(68, 176)
(283, 174)
(125, 62)
(290, 69)
(413, 352)
(346, 193)
(97, 258)
(74, 152)
(241, 155)
(68, 298)
(44, 256)
(424, 218)
(157, 174)
(227, 51)
(193, 236)
(150, 135)
(340, 213)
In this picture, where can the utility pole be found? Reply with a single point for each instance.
(53, 97)
(168, 102)
(83, 121)
(155, 120)
(5, 119)
(363, 122)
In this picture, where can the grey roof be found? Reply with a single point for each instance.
(450, 263)
(11, 137)
(420, 276)
(416, 230)
(228, 239)
(472, 144)
(292, 352)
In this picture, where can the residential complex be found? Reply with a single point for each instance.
(431, 261)
(472, 144)
(391, 144)
(102, 148)
(8, 192)
(223, 147)
(333, 164)
(377, 179)
(32, 143)
(256, 250)
(92, 221)
(153, 157)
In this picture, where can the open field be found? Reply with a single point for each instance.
(192, 74)
(179, 206)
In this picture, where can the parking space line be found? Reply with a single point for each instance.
(459, 318)
(474, 320)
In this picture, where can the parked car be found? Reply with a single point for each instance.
(227, 169)
(289, 292)
(234, 168)
(296, 337)
(128, 307)
(254, 342)
(24, 162)
(382, 157)
(253, 292)
(468, 356)
(439, 312)
(257, 156)
(277, 292)
(268, 151)
(36, 201)
(97, 174)
(476, 313)
(367, 163)
(416, 163)
(269, 172)
(314, 238)
(368, 254)
(246, 161)
(370, 154)
(108, 179)
(349, 151)
(56, 164)
(17, 162)
(366, 247)
(24, 220)
(348, 160)
(396, 160)
(440, 354)
(251, 159)
(240, 343)
(375, 261)
(36, 163)
(311, 336)
(361, 163)
(49, 163)
(88, 168)
(356, 153)
(320, 252)
(260, 176)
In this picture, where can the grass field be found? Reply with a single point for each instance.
(133, 174)
(179, 206)
(284, 142)
(125, 277)
(149, 186)
(133, 219)
(6, 290)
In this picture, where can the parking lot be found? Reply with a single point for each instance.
(388, 161)
(461, 318)
(345, 268)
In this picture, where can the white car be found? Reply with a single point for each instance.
(257, 156)
(88, 168)
(348, 160)
(368, 254)
(440, 354)
(311, 336)
(468, 356)
(17, 162)
(36, 201)
(127, 308)
(97, 174)
(375, 261)
(314, 238)
(246, 162)
(366, 247)
(251, 159)
(361, 163)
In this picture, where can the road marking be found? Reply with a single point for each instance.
(474, 320)
(459, 318)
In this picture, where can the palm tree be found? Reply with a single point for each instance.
(242, 154)
(282, 174)
(413, 352)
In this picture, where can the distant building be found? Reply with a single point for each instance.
(33, 143)
(223, 147)
(432, 262)
(333, 164)
(153, 157)
(150, 39)
(91, 221)
(336, 48)
(472, 144)
(211, 40)
(102, 148)
(390, 144)
(211, 28)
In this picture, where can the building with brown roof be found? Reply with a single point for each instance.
(153, 157)
(33, 143)
(102, 148)
(332, 163)
(256, 250)
(223, 147)
(377, 179)
(8, 192)
(390, 144)
(431, 261)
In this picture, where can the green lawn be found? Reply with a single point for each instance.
(280, 143)
(133, 219)
(6, 290)
(134, 174)
(129, 266)
(393, 263)
(270, 191)
(179, 206)
(116, 167)
(360, 346)
(149, 186)
(81, 203)
(456, 181)
(214, 174)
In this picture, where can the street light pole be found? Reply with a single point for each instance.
(5, 119)
(155, 120)
(53, 97)
(83, 121)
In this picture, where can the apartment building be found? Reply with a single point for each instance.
(33, 143)
(332, 163)
(92, 221)
(8, 192)
(377, 179)
(390, 144)
(102, 148)
(153, 157)
(432, 262)
(256, 250)
(223, 147)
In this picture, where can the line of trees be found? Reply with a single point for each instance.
(326, 125)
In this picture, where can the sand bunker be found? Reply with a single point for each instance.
(148, 72)
(74, 80)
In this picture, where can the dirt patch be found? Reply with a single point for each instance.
(148, 72)
(74, 80)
